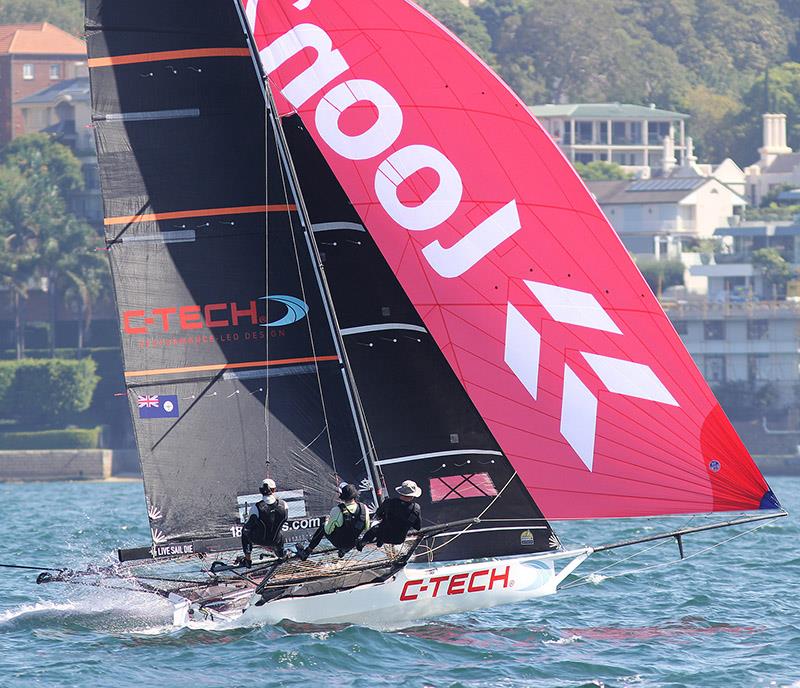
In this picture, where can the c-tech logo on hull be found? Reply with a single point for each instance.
(457, 583)
(578, 404)
(214, 315)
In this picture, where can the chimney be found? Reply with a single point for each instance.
(691, 158)
(774, 138)
(668, 162)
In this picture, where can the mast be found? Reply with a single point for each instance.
(359, 417)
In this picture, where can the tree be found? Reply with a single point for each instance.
(775, 269)
(57, 246)
(713, 114)
(600, 170)
(17, 245)
(661, 274)
(744, 136)
(66, 14)
(463, 22)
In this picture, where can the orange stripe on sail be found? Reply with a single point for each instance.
(207, 212)
(229, 366)
(139, 58)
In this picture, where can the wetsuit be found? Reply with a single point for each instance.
(265, 526)
(397, 517)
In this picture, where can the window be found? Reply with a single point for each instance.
(715, 368)
(681, 327)
(27, 71)
(55, 71)
(758, 367)
(714, 329)
(757, 329)
(583, 132)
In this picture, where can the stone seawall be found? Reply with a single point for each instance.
(66, 464)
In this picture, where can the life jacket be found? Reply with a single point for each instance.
(398, 518)
(346, 535)
(271, 518)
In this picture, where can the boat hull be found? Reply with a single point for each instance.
(420, 591)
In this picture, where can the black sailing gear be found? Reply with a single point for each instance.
(265, 529)
(397, 517)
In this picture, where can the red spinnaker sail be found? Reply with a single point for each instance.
(512, 266)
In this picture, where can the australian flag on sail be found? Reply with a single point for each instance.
(158, 406)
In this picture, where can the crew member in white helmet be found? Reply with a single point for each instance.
(265, 525)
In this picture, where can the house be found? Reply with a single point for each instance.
(32, 57)
(644, 140)
(64, 110)
(660, 217)
(777, 165)
(752, 344)
(730, 272)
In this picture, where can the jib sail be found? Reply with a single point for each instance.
(509, 263)
(225, 380)
(422, 424)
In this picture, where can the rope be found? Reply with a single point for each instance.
(585, 580)
(30, 568)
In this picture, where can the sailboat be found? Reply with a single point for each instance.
(343, 250)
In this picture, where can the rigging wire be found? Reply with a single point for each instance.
(305, 299)
(432, 550)
(586, 580)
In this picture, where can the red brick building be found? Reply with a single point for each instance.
(32, 57)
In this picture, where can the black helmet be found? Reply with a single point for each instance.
(348, 492)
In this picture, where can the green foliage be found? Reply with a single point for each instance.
(777, 271)
(46, 392)
(661, 274)
(71, 438)
(38, 236)
(66, 14)
(463, 22)
(600, 170)
(48, 167)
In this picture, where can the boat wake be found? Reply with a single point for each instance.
(105, 611)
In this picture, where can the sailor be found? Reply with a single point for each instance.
(397, 516)
(265, 525)
(346, 522)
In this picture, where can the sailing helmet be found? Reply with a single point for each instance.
(348, 492)
(267, 486)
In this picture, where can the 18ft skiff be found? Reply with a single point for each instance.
(343, 249)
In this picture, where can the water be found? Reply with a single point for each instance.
(729, 618)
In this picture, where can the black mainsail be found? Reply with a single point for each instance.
(230, 365)
(422, 423)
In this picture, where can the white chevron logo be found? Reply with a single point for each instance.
(578, 404)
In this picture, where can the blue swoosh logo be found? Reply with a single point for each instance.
(296, 310)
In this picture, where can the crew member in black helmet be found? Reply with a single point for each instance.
(265, 525)
(396, 517)
(346, 522)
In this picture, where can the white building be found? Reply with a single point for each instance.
(660, 217)
(65, 111)
(644, 140)
(753, 343)
(778, 164)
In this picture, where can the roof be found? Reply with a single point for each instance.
(778, 230)
(645, 190)
(39, 39)
(658, 190)
(76, 90)
(784, 164)
(604, 111)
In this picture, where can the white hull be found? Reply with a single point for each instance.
(419, 591)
